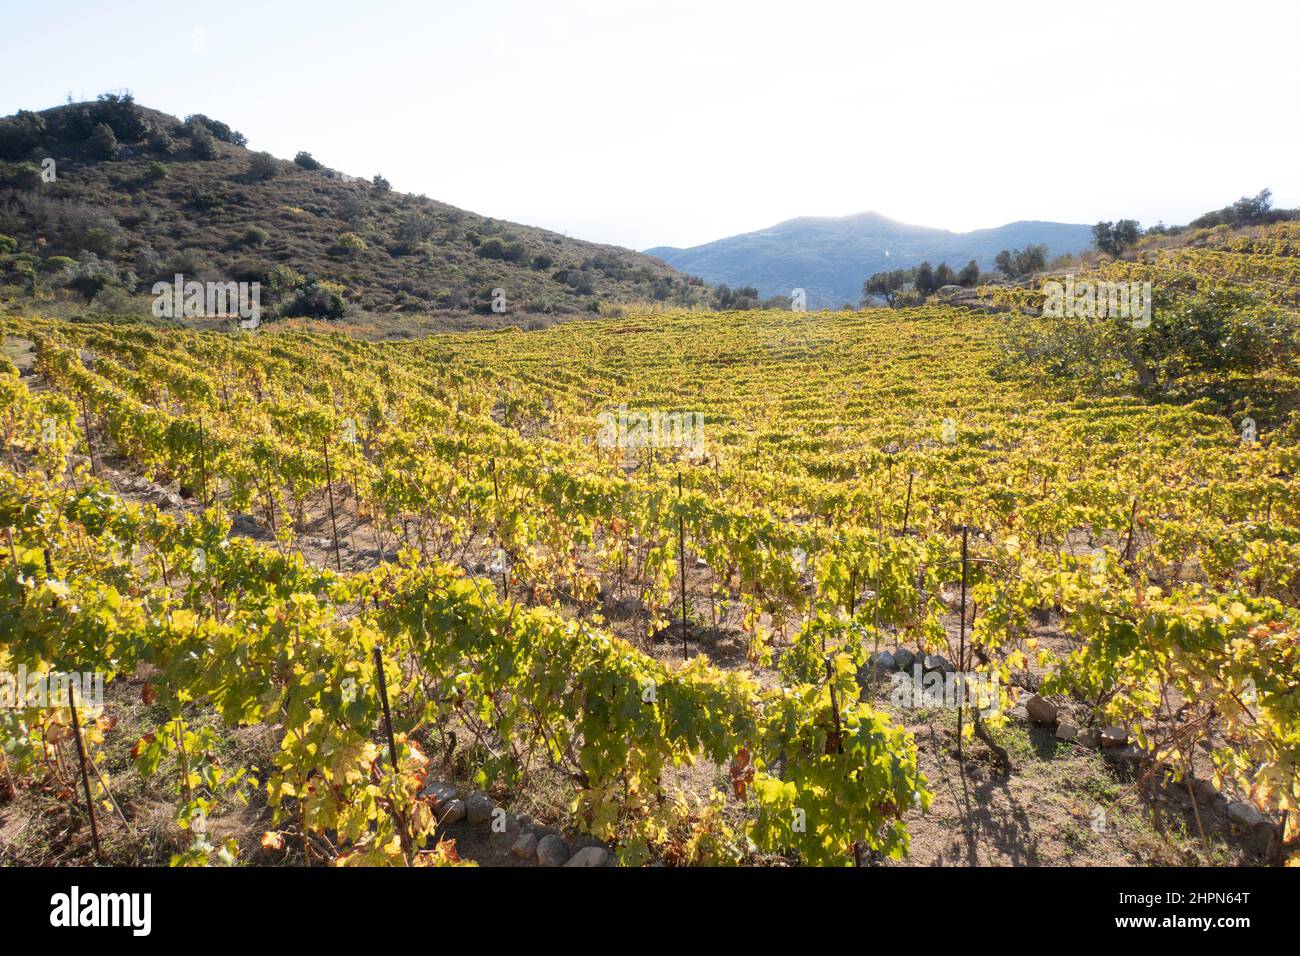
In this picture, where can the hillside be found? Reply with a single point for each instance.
(157, 207)
(830, 257)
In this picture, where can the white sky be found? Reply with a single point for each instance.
(675, 123)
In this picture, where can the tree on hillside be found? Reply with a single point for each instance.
(1113, 238)
(1246, 211)
(119, 112)
(924, 282)
(944, 276)
(1014, 263)
(727, 298)
(306, 160)
(969, 275)
(20, 134)
(885, 285)
(217, 128)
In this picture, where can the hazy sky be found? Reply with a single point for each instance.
(648, 123)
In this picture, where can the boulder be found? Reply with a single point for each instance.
(1114, 737)
(1089, 738)
(1258, 831)
(243, 523)
(440, 791)
(478, 809)
(525, 847)
(552, 850)
(454, 812)
(882, 662)
(1245, 814)
(1040, 710)
(904, 658)
(1067, 732)
(937, 662)
(592, 856)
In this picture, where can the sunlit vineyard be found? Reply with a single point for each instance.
(452, 508)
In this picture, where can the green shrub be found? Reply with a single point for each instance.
(202, 143)
(263, 166)
(19, 175)
(103, 143)
(162, 143)
(56, 264)
(318, 300)
(254, 236)
(20, 134)
(307, 161)
(350, 243)
(217, 128)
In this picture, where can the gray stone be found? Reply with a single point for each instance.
(440, 790)
(904, 658)
(1256, 828)
(937, 662)
(883, 662)
(1067, 732)
(1244, 814)
(1089, 738)
(478, 808)
(592, 856)
(525, 847)
(1040, 710)
(1130, 754)
(1114, 737)
(552, 850)
(1204, 789)
(454, 813)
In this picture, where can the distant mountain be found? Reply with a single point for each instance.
(140, 195)
(830, 257)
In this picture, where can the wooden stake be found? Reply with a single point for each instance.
(85, 778)
(203, 468)
(496, 530)
(961, 646)
(907, 508)
(383, 699)
(681, 564)
(329, 488)
(90, 449)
